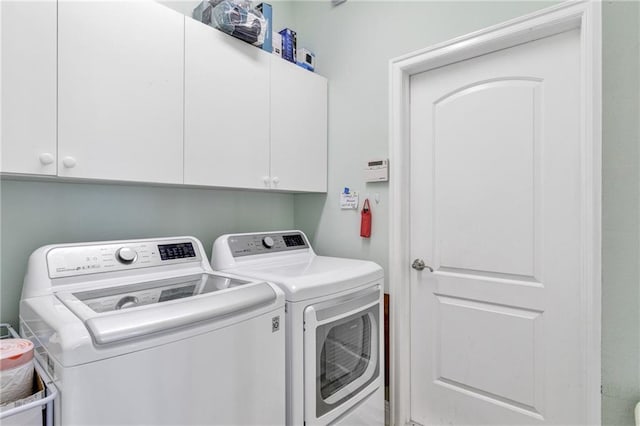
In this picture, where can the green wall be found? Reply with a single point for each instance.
(354, 55)
(621, 212)
(33, 214)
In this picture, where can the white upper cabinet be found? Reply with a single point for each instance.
(252, 120)
(120, 91)
(226, 110)
(28, 126)
(133, 91)
(298, 128)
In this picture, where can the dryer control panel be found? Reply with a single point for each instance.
(90, 259)
(252, 244)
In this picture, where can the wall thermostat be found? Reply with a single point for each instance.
(376, 171)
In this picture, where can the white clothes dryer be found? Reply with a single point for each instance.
(334, 333)
(144, 332)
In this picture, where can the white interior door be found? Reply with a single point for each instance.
(496, 330)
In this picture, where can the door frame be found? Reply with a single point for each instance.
(584, 15)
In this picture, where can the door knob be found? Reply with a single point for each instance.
(419, 265)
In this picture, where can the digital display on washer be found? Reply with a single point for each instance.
(293, 240)
(176, 251)
(176, 293)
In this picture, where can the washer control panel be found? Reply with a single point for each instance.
(247, 245)
(90, 259)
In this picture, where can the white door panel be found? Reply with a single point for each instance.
(226, 110)
(496, 336)
(498, 340)
(298, 128)
(120, 91)
(479, 155)
(28, 49)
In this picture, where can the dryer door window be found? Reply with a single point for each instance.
(346, 357)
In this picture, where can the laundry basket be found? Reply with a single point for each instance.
(37, 409)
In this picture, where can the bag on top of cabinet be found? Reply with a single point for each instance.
(235, 17)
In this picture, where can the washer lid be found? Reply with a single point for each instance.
(138, 311)
(302, 277)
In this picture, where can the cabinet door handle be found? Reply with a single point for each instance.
(275, 180)
(46, 158)
(266, 180)
(69, 162)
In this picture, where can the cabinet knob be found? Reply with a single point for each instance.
(266, 180)
(275, 180)
(46, 158)
(69, 162)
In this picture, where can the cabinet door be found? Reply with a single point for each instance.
(226, 110)
(298, 128)
(120, 93)
(28, 127)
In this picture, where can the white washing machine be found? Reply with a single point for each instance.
(144, 332)
(334, 315)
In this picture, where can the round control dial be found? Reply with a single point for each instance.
(126, 255)
(268, 242)
(127, 302)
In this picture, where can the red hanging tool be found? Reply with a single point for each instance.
(365, 222)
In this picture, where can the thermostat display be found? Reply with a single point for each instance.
(377, 171)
